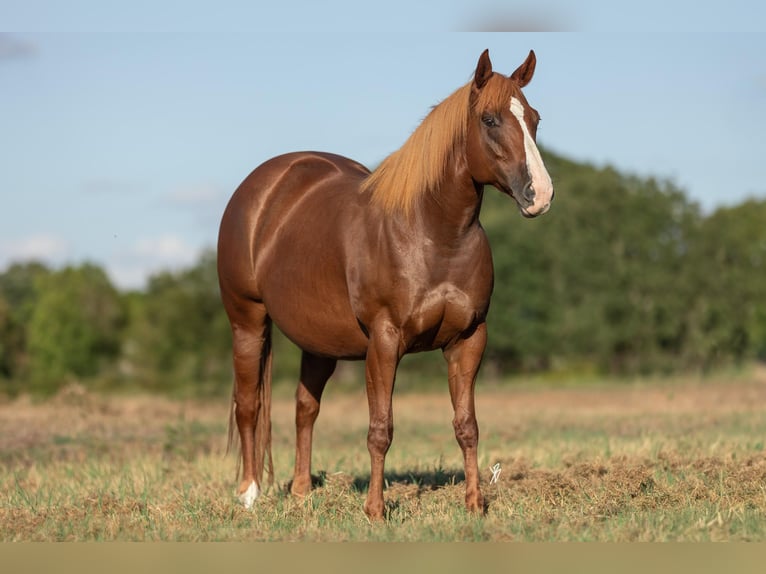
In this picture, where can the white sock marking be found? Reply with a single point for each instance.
(248, 497)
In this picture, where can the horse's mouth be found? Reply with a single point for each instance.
(523, 206)
(529, 215)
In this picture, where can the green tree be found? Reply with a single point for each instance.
(74, 329)
(18, 296)
(727, 315)
(179, 335)
(8, 343)
(623, 275)
(596, 280)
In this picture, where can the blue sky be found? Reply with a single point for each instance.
(122, 136)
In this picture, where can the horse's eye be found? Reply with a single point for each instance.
(489, 121)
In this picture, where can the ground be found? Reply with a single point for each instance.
(659, 460)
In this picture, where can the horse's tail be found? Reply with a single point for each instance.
(262, 443)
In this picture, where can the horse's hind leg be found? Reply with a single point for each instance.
(463, 360)
(251, 341)
(315, 372)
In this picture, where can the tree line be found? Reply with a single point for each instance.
(625, 275)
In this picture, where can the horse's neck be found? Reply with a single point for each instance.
(453, 209)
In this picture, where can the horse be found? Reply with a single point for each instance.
(359, 265)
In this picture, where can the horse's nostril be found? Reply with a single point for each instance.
(529, 193)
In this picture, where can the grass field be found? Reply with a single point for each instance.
(672, 461)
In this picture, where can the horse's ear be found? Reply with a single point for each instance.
(483, 70)
(523, 74)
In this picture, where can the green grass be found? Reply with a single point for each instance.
(678, 461)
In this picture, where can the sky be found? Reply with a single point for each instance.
(124, 131)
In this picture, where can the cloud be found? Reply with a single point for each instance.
(12, 48)
(131, 268)
(165, 247)
(41, 247)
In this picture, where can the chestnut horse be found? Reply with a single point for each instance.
(358, 265)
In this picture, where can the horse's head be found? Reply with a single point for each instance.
(501, 148)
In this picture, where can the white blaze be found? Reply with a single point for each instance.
(541, 181)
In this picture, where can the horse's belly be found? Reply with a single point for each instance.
(317, 321)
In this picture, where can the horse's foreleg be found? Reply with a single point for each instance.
(315, 371)
(380, 371)
(463, 360)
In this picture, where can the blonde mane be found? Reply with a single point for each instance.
(420, 165)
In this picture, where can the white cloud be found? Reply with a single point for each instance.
(132, 268)
(41, 247)
(165, 247)
(126, 276)
(128, 268)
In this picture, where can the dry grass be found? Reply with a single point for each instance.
(680, 461)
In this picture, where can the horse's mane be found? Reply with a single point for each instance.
(420, 165)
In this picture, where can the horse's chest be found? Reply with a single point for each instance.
(442, 313)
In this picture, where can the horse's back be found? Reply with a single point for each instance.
(298, 173)
(286, 178)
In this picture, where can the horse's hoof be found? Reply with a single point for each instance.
(300, 488)
(374, 513)
(247, 498)
(475, 504)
